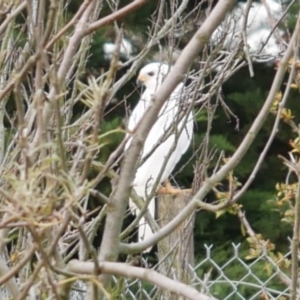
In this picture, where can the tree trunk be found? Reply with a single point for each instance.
(175, 252)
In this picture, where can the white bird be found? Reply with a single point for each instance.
(168, 139)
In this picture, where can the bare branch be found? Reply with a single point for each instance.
(151, 276)
(11, 16)
(136, 4)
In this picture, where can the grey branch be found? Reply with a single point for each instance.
(149, 275)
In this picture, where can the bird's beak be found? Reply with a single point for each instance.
(140, 80)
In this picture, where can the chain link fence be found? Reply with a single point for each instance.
(266, 276)
(238, 278)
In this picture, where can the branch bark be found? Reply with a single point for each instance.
(149, 275)
(123, 12)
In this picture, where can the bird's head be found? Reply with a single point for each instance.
(152, 75)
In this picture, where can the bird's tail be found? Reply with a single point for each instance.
(144, 230)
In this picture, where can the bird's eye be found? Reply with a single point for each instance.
(150, 73)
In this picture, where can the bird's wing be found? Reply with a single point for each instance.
(169, 121)
(168, 139)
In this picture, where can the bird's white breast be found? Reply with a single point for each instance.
(168, 152)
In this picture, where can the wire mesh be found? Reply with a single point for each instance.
(234, 277)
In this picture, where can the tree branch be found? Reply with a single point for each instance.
(136, 4)
(149, 275)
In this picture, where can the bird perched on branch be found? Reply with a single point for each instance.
(167, 141)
